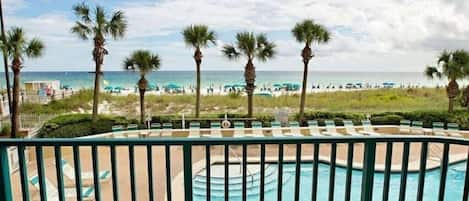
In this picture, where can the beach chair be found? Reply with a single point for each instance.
(438, 128)
(238, 129)
(313, 128)
(350, 128)
(404, 126)
(69, 172)
(132, 127)
(167, 129)
(417, 128)
(257, 129)
(453, 130)
(194, 129)
(155, 129)
(117, 131)
(331, 129)
(294, 128)
(215, 129)
(276, 129)
(70, 193)
(368, 128)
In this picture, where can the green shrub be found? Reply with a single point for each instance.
(6, 130)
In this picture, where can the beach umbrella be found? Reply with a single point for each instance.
(172, 86)
(227, 86)
(108, 88)
(264, 94)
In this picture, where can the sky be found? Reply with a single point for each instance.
(366, 35)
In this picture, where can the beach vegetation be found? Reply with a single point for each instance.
(18, 47)
(308, 32)
(197, 37)
(97, 24)
(144, 62)
(252, 47)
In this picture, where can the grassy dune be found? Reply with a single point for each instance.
(381, 100)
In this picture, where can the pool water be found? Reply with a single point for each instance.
(454, 184)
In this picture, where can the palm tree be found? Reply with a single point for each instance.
(17, 47)
(198, 36)
(144, 62)
(451, 65)
(96, 24)
(250, 46)
(308, 32)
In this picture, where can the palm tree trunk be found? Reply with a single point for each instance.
(450, 105)
(198, 61)
(5, 60)
(250, 77)
(16, 97)
(142, 105)
(452, 91)
(303, 93)
(97, 86)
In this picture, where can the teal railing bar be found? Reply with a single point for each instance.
(444, 171)
(404, 170)
(41, 173)
(150, 172)
(97, 189)
(422, 171)
(168, 173)
(348, 177)
(298, 172)
(5, 183)
(465, 196)
(387, 171)
(59, 171)
(227, 171)
(368, 171)
(314, 190)
(187, 160)
(207, 169)
(115, 180)
(280, 173)
(76, 162)
(24, 173)
(332, 171)
(244, 159)
(262, 179)
(133, 187)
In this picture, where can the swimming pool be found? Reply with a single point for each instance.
(454, 184)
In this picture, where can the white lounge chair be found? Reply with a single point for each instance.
(438, 128)
(194, 129)
(257, 129)
(155, 129)
(350, 128)
(238, 129)
(167, 129)
(52, 192)
(69, 172)
(331, 129)
(132, 127)
(368, 128)
(417, 128)
(453, 130)
(294, 128)
(215, 129)
(404, 126)
(276, 129)
(313, 128)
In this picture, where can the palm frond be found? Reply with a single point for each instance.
(143, 61)
(246, 43)
(117, 26)
(308, 32)
(81, 30)
(198, 36)
(431, 72)
(82, 11)
(230, 52)
(35, 48)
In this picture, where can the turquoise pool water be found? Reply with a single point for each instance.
(454, 185)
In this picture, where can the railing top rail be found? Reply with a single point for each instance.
(227, 140)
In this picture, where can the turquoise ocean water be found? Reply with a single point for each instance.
(78, 80)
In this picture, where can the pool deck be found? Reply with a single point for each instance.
(457, 153)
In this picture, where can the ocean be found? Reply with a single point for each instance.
(79, 80)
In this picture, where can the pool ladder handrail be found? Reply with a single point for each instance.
(241, 164)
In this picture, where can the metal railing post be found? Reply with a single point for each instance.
(187, 149)
(368, 171)
(5, 183)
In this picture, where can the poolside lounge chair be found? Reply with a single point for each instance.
(417, 128)
(330, 129)
(404, 126)
(276, 129)
(167, 129)
(313, 128)
(194, 129)
(257, 129)
(438, 128)
(368, 128)
(453, 130)
(69, 172)
(155, 129)
(238, 129)
(117, 128)
(52, 191)
(295, 129)
(215, 129)
(350, 128)
(132, 127)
